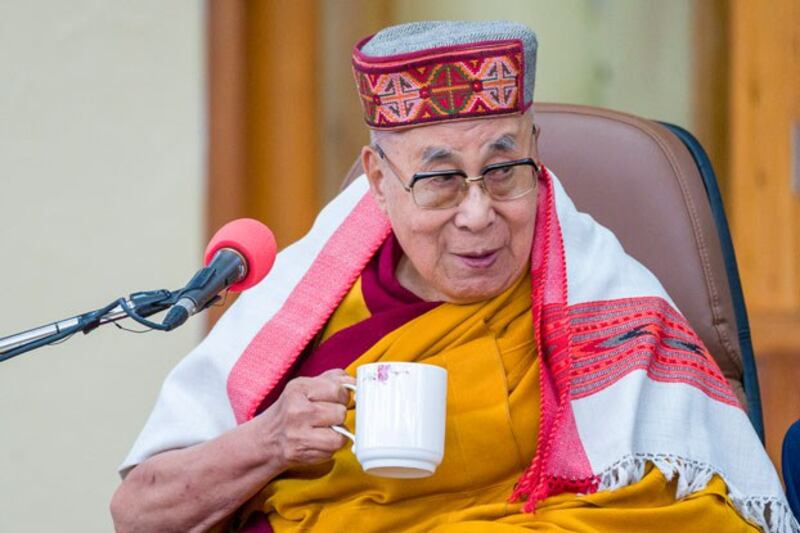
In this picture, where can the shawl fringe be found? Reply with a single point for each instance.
(769, 513)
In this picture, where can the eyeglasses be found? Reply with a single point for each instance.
(443, 189)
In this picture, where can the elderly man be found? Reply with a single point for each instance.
(580, 403)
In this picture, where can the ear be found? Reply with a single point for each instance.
(535, 149)
(370, 161)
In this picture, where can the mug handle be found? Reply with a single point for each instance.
(341, 430)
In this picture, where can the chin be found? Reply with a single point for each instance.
(468, 294)
(470, 287)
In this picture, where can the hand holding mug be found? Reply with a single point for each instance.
(299, 422)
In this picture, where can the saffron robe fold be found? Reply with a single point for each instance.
(492, 423)
(624, 381)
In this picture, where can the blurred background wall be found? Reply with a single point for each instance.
(102, 193)
(132, 130)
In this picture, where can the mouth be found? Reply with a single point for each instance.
(478, 260)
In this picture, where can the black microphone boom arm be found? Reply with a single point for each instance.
(141, 303)
(226, 268)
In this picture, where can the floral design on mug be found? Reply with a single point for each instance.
(383, 373)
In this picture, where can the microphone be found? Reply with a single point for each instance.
(238, 256)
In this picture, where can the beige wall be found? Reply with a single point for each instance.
(101, 194)
(630, 55)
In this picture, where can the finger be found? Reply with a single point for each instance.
(326, 440)
(334, 372)
(339, 375)
(327, 389)
(314, 389)
(310, 456)
(328, 414)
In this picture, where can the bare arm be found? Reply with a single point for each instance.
(192, 489)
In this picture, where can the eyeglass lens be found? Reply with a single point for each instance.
(505, 182)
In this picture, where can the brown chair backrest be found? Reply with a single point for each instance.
(638, 179)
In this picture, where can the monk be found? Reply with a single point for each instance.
(575, 403)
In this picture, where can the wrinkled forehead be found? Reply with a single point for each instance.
(459, 139)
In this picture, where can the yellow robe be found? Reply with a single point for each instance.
(488, 350)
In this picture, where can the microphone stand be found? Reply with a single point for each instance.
(137, 306)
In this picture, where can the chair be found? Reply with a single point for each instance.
(652, 185)
(790, 461)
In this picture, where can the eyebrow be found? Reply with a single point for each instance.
(433, 154)
(505, 143)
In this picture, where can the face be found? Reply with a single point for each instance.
(477, 249)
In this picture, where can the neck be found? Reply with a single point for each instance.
(409, 279)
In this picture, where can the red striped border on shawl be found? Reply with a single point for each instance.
(612, 339)
(466, 81)
(280, 341)
(587, 347)
(560, 463)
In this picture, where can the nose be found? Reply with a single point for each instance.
(475, 212)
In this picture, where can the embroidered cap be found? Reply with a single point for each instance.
(425, 72)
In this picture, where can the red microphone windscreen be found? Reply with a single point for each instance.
(253, 240)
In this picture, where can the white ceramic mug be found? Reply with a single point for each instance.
(400, 416)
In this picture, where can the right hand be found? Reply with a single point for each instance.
(299, 422)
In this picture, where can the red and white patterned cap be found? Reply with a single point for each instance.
(426, 72)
